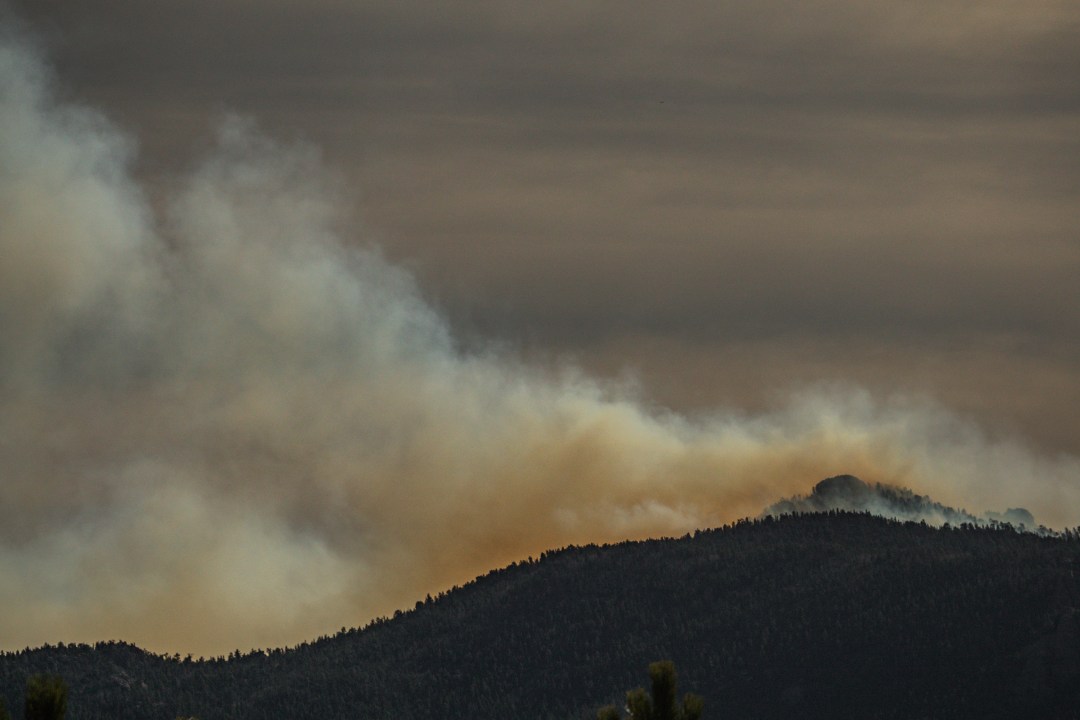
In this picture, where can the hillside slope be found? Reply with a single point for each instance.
(811, 616)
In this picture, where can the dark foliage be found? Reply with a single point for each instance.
(46, 698)
(662, 704)
(810, 616)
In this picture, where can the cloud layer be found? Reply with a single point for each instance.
(226, 421)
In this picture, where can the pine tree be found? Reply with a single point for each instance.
(46, 698)
(662, 704)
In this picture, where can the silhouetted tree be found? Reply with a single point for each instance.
(693, 706)
(639, 705)
(4, 714)
(608, 712)
(664, 682)
(46, 698)
(662, 705)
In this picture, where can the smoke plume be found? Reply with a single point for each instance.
(226, 424)
(850, 494)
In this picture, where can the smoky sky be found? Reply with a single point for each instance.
(882, 194)
(310, 309)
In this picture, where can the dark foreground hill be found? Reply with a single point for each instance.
(812, 616)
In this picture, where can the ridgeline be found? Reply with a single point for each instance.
(825, 615)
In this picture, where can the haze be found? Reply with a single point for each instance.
(310, 309)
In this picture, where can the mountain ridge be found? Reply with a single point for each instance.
(814, 614)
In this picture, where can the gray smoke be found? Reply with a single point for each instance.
(224, 425)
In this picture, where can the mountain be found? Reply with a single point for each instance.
(825, 615)
(847, 492)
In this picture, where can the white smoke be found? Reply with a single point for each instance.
(226, 426)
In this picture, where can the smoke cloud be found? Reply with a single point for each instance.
(223, 425)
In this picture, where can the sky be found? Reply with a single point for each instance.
(310, 309)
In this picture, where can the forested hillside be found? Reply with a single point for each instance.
(809, 616)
